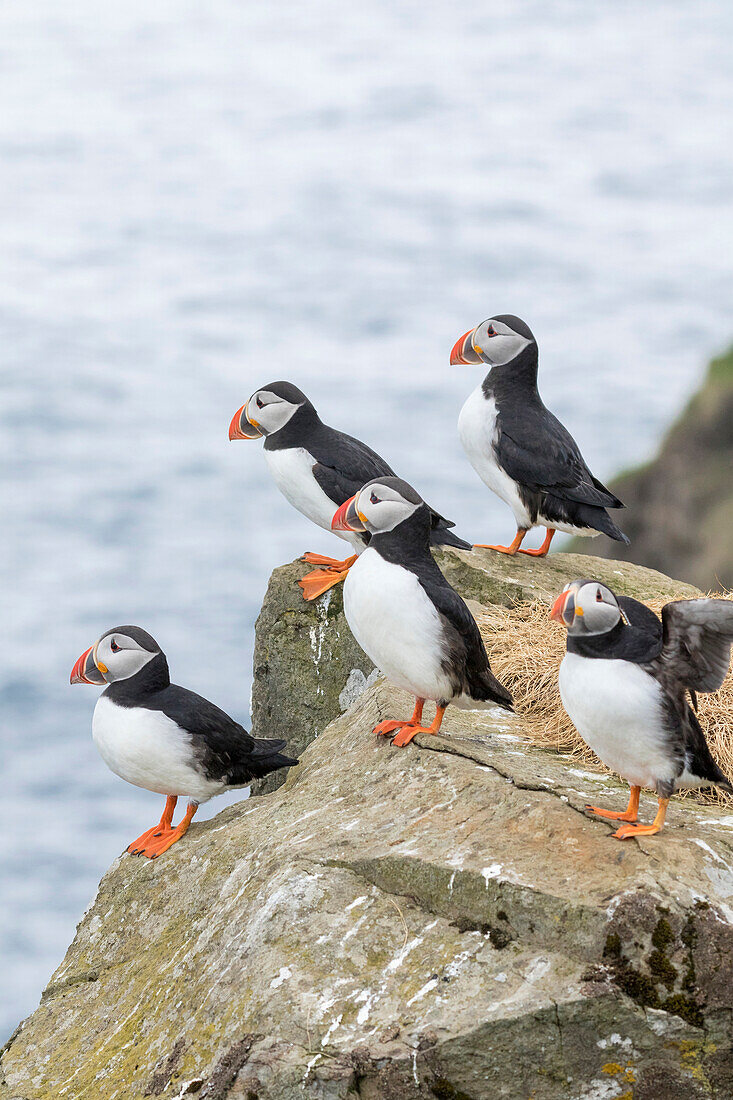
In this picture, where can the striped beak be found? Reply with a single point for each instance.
(348, 517)
(242, 427)
(85, 670)
(463, 351)
(563, 609)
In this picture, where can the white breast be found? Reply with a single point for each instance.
(395, 623)
(478, 434)
(149, 750)
(617, 709)
(292, 472)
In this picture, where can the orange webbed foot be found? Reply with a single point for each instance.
(541, 551)
(407, 733)
(499, 549)
(626, 832)
(612, 815)
(319, 581)
(161, 837)
(329, 563)
(631, 830)
(385, 728)
(629, 814)
(511, 550)
(153, 842)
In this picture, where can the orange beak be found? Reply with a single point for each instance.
(563, 609)
(463, 351)
(85, 670)
(241, 427)
(347, 517)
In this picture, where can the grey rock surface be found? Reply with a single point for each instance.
(442, 921)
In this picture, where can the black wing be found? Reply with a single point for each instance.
(466, 651)
(697, 636)
(344, 464)
(537, 451)
(223, 747)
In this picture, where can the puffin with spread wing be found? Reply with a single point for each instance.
(627, 681)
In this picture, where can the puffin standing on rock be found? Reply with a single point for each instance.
(317, 468)
(405, 615)
(164, 738)
(519, 449)
(624, 682)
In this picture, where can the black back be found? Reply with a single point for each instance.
(223, 749)
(464, 657)
(538, 452)
(343, 463)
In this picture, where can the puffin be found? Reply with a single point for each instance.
(163, 737)
(519, 449)
(317, 468)
(629, 684)
(405, 615)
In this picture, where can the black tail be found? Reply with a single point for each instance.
(485, 688)
(441, 536)
(699, 759)
(267, 757)
(600, 520)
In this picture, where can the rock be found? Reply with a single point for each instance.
(308, 668)
(440, 921)
(679, 507)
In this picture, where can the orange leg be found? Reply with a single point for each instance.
(629, 814)
(628, 831)
(330, 563)
(389, 727)
(163, 839)
(504, 549)
(407, 733)
(163, 825)
(317, 582)
(541, 551)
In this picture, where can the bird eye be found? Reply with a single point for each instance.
(260, 403)
(114, 647)
(599, 597)
(374, 499)
(491, 330)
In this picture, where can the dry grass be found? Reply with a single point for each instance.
(526, 647)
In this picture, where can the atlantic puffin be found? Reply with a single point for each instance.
(317, 468)
(519, 449)
(405, 615)
(164, 738)
(624, 682)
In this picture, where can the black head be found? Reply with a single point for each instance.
(380, 506)
(120, 654)
(587, 608)
(268, 411)
(496, 341)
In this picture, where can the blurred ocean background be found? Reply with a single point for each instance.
(197, 199)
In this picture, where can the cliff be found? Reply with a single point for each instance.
(679, 507)
(441, 921)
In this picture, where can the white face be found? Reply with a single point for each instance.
(591, 608)
(496, 343)
(382, 507)
(118, 657)
(268, 412)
